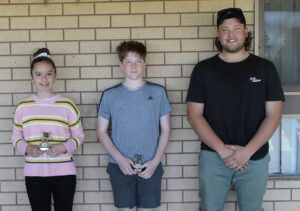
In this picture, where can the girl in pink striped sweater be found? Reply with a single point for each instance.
(47, 130)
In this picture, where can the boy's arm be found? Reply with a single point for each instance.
(124, 163)
(161, 148)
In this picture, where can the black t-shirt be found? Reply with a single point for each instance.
(234, 95)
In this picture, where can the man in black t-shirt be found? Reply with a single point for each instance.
(234, 104)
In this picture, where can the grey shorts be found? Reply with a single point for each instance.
(133, 191)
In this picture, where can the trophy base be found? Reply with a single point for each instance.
(138, 169)
(138, 164)
(44, 148)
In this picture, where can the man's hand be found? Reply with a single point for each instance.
(225, 152)
(239, 159)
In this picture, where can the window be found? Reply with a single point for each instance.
(284, 147)
(279, 34)
(282, 43)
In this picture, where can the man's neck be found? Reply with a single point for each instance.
(233, 57)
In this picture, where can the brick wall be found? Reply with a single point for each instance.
(82, 36)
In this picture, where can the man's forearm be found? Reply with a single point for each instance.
(205, 132)
(264, 133)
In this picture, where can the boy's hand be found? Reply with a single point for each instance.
(125, 165)
(150, 168)
(56, 150)
(33, 151)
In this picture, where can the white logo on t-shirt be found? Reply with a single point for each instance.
(254, 80)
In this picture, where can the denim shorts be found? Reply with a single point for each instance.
(133, 191)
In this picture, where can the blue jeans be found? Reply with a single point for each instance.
(216, 179)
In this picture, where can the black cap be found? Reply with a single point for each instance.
(230, 13)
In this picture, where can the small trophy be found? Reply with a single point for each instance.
(44, 146)
(138, 162)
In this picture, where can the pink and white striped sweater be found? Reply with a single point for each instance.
(59, 117)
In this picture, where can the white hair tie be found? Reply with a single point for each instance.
(44, 54)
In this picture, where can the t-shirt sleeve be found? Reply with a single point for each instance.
(274, 90)
(196, 87)
(103, 109)
(165, 107)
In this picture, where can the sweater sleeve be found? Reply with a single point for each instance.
(77, 136)
(17, 133)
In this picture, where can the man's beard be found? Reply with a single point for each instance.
(232, 49)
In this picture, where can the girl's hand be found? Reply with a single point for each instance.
(33, 151)
(56, 150)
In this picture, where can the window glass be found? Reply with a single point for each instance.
(284, 147)
(282, 43)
